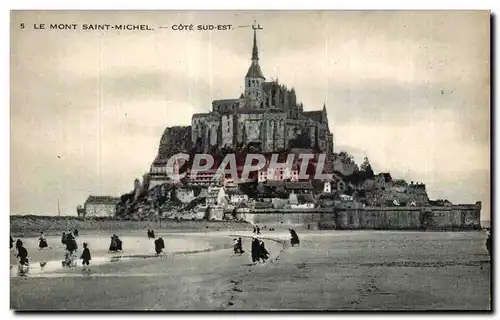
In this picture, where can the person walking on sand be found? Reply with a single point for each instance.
(113, 247)
(488, 242)
(23, 259)
(255, 250)
(294, 237)
(42, 242)
(235, 246)
(19, 244)
(254, 230)
(258, 230)
(240, 246)
(159, 246)
(75, 233)
(71, 244)
(11, 242)
(263, 253)
(86, 258)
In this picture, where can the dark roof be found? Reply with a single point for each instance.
(299, 185)
(199, 115)
(254, 71)
(291, 185)
(267, 86)
(160, 161)
(226, 100)
(233, 191)
(102, 200)
(241, 205)
(305, 198)
(387, 177)
(314, 115)
(248, 110)
(257, 111)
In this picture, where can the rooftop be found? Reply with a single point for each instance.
(102, 200)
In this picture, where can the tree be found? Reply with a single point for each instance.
(366, 169)
(348, 161)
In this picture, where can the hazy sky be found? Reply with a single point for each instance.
(408, 89)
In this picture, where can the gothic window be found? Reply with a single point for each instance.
(262, 105)
(249, 83)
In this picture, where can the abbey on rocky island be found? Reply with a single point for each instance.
(265, 118)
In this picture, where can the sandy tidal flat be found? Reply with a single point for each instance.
(356, 270)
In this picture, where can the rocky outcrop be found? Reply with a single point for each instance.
(174, 140)
(158, 202)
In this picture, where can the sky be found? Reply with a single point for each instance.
(410, 90)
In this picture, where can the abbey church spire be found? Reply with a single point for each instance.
(254, 72)
(254, 79)
(255, 50)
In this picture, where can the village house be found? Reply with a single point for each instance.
(383, 180)
(327, 188)
(236, 196)
(278, 174)
(205, 178)
(185, 195)
(100, 206)
(301, 201)
(215, 196)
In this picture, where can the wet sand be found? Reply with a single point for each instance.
(350, 270)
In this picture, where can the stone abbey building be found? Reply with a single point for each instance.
(266, 116)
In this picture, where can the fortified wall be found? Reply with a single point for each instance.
(454, 217)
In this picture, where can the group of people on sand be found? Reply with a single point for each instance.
(256, 230)
(69, 241)
(70, 245)
(259, 251)
(158, 243)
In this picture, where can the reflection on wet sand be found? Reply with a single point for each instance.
(48, 263)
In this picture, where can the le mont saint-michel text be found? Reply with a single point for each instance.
(126, 27)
